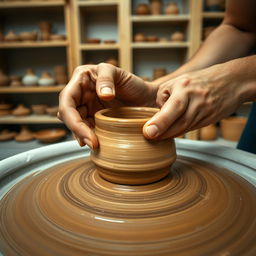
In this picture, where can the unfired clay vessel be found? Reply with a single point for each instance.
(6, 135)
(30, 79)
(156, 7)
(50, 135)
(177, 36)
(172, 8)
(4, 79)
(139, 162)
(11, 37)
(21, 110)
(208, 132)
(24, 135)
(142, 9)
(46, 79)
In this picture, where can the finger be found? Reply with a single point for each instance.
(105, 87)
(174, 107)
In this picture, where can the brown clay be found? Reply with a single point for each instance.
(39, 109)
(232, 127)
(6, 135)
(21, 110)
(208, 132)
(139, 37)
(159, 72)
(11, 37)
(93, 41)
(152, 38)
(50, 135)
(142, 9)
(45, 30)
(4, 79)
(172, 9)
(177, 36)
(112, 61)
(109, 41)
(5, 106)
(119, 158)
(24, 135)
(156, 7)
(5, 112)
(28, 36)
(57, 37)
(15, 81)
(60, 75)
(163, 39)
(52, 111)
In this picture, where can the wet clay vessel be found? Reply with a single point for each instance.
(124, 155)
(24, 135)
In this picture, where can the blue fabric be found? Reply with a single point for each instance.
(248, 138)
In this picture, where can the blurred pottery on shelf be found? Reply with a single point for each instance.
(163, 39)
(21, 110)
(208, 132)
(152, 38)
(45, 30)
(15, 81)
(11, 37)
(50, 135)
(28, 36)
(57, 37)
(215, 5)
(30, 79)
(4, 79)
(139, 37)
(156, 7)
(172, 9)
(159, 72)
(39, 109)
(93, 41)
(112, 61)
(7, 135)
(232, 127)
(60, 75)
(46, 79)
(109, 41)
(52, 111)
(5, 106)
(24, 135)
(177, 36)
(5, 112)
(142, 9)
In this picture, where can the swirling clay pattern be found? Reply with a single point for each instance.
(198, 209)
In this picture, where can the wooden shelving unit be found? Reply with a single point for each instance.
(36, 89)
(149, 45)
(36, 44)
(32, 119)
(25, 4)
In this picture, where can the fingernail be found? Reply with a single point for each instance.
(106, 91)
(88, 143)
(79, 141)
(152, 131)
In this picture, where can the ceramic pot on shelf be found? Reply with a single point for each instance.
(159, 72)
(39, 109)
(152, 38)
(139, 37)
(4, 79)
(142, 9)
(46, 79)
(30, 79)
(24, 135)
(21, 110)
(60, 75)
(7, 135)
(11, 37)
(142, 161)
(45, 30)
(172, 9)
(208, 132)
(177, 37)
(28, 36)
(15, 81)
(156, 7)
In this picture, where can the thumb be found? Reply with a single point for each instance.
(105, 87)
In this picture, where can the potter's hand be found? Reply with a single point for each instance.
(197, 99)
(94, 87)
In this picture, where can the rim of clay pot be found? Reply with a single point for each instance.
(126, 115)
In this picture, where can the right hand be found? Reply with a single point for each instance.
(94, 87)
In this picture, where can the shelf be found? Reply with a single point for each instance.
(97, 2)
(31, 119)
(160, 18)
(38, 89)
(160, 45)
(25, 4)
(213, 15)
(36, 44)
(99, 46)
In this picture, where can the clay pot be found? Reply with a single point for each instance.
(5, 106)
(4, 79)
(50, 135)
(28, 36)
(163, 39)
(57, 37)
(21, 110)
(15, 81)
(139, 37)
(208, 132)
(142, 9)
(45, 30)
(172, 9)
(159, 72)
(93, 41)
(5, 112)
(6, 135)
(52, 111)
(24, 135)
(109, 41)
(156, 7)
(112, 61)
(207, 31)
(11, 37)
(60, 75)
(152, 38)
(124, 155)
(39, 109)
(215, 5)
(46, 79)
(30, 79)
(177, 36)
(232, 127)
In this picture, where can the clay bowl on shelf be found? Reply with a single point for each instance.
(57, 37)
(109, 41)
(139, 37)
(24, 135)
(39, 109)
(177, 37)
(15, 81)
(52, 111)
(93, 41)
(232, 127)
(28, 36)
(5, 106)
(125, 156)
(152, 38)
(21, 110)
(142, 9)
(50, 135)
(6, 135)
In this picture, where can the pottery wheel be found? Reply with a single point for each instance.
(199, 209)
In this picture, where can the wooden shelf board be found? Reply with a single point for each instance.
(99, 46)
(97, 2)
(160, 18)
(25, 4)
(31, 119)
(161, 45)
(213, 15)
(33, 89)
(35, 44)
